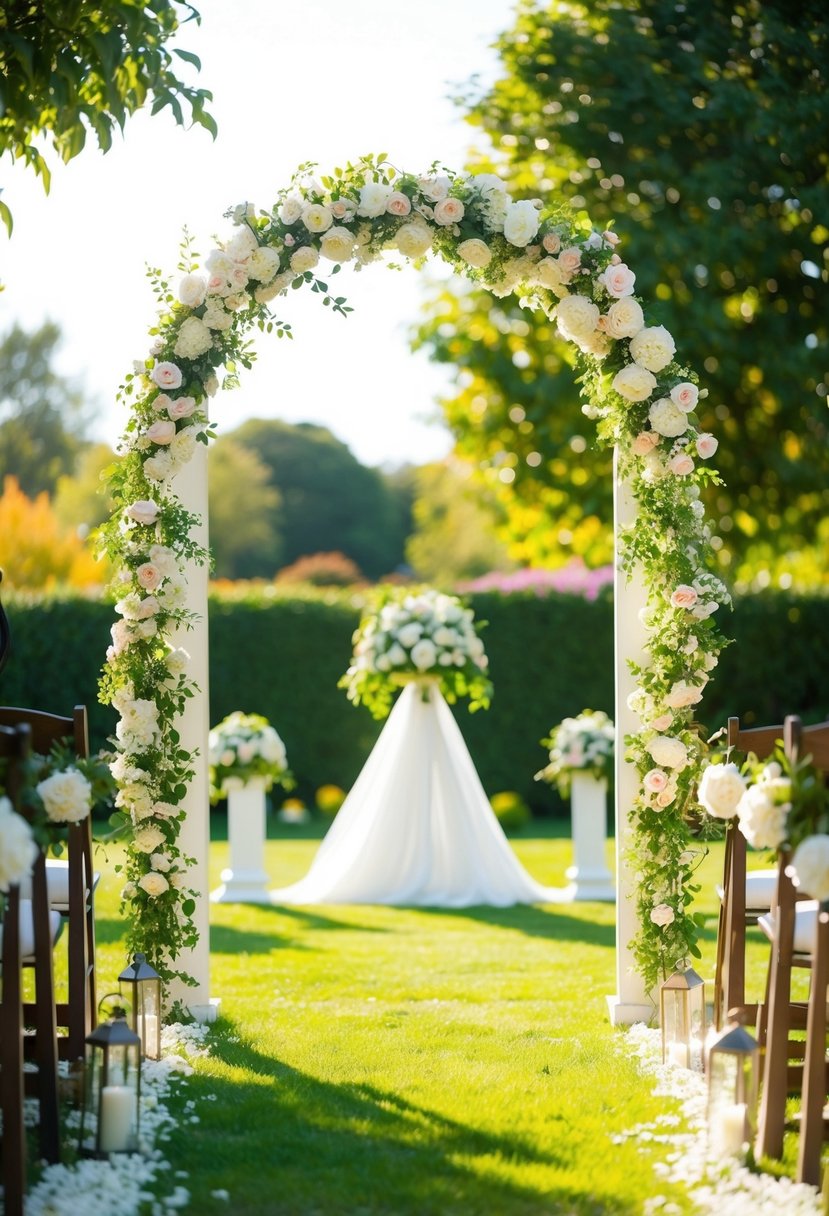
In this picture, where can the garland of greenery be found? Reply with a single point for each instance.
(642, 399)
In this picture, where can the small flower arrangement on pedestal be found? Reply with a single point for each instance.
(417, 635)
(243, 747)
(583, 744)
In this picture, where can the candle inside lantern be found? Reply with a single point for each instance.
(732, 1127)
(149, 1033)
(677, 1054)
(117, 1116)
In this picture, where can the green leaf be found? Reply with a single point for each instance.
(188, 57)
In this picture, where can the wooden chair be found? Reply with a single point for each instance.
(799, 934)
(72, 884)
(744, 896)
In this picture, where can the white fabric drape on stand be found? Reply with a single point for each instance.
(417, 828)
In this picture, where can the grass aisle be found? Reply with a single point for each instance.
(376, 1061)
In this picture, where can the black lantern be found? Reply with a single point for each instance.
(682, 1018)
(733, 1067)
(111, 1108)
(143, 995)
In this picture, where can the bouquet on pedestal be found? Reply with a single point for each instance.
(583, 744)
(243, 747)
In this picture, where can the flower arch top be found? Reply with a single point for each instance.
(644, 403)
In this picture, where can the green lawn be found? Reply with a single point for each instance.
(374, 1060)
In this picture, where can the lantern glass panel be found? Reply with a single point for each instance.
(733, 1065)
(682, 1016)
(111, 1112)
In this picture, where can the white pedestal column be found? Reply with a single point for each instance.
(589, 876)
(631, 1001)
(191, 486)
(245, 880)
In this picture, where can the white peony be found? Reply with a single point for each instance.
(337, 244)
(18, 849)
(668, 752)
(624, 318)
(424, 654)
(577, 317)
(810, 866)
(548, 274)
(291, 209)
(373, 199)
(305, 258)
(317, 218)
(194, 338)
(148, 839)
(667, 419)
(762, 818)
(153, 883)
(66, 796)
(653, 348)
(263, 264)
(634, 383)
(720, 790)
(475, 252)
(192, 289)
(521, 222)
(414, 239)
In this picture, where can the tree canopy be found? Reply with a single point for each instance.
(693, 130)
(68, 68)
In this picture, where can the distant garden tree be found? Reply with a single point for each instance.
(244, 513)
(37, 552)
(454, 527)
(68, 69)
(692, 129)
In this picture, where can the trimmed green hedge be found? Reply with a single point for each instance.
(281, 654)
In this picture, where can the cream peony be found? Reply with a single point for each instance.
(148, 839)
(810, 866)
(192, 289)
(305, 258)
(414, 239)
(263, 264)
(194, 338)
(668, 752)
(720, 790)
(653, 348)
(475, 252)
(521, 223)
(624, 318)
(66, 796)
(153, 883)
(634, 383)
(337, 245)
(18, 849)
(577, 317)
(548, 274)
(317, 218)
(662, 915)
(667, 419)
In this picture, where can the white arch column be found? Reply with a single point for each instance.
(193, 726)
(631, 1001)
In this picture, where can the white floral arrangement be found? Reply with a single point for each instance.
(243, 747)
(417, 635)
(584, 744)
(18, 848)
(642, 398)
(779, 804)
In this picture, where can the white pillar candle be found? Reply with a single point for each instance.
(677, 1054)
(117, 1116)
(729, 1130)
(149, 1038)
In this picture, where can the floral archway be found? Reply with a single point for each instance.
(642, 398)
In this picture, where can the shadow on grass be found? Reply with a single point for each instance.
(551, 922)
(285, 1143)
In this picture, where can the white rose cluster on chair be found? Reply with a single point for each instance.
(244, 746)
(643, 400)
(18, 849)
(417, 635)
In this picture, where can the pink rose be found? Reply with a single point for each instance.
(655, 781)
(398, 203)
(665, 798)
(182, 407)
(143, 511)
(551, 242)
(449, 211)
(644, 442)
(685, 395)
(684, 597)
(434, 188)
(166, 375)
(161, 402)
(161, 432)
(611, 238)
(149, 576)
(569, 260)
(681, 464)
(707, 445)
(619, 280)
(662, 722)
(343, 208)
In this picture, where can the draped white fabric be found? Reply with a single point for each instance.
(417, 827)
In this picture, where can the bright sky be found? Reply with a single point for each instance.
(318, 80)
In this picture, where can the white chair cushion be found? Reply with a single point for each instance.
(57, 884)
(760, 888)
(27, 929)
(805, 923)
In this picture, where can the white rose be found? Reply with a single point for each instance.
(153, 883)
(683, 694)
(373, 199)
(192, 289)
(160, 862)
(577, 317)
(176, 660)
(653, 348)
(18, 849)
(317, 218)
(662, 915)
(762, 820)
(159, 467)
(634, 383)
(410, 633)
(291, 209)
(194, 338)
(305, 258)
(434, 188)
(424, 654)
(720, 790)
(414, 239)
(685, 395)
(521, 223)
(668, 752)
(148, 838)
(810, 866)
(67, 796)
(475, 252)
(263, 264)
(337, 245)
(143, 512)
(165, 559)
(667, 419)
(624, 318)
